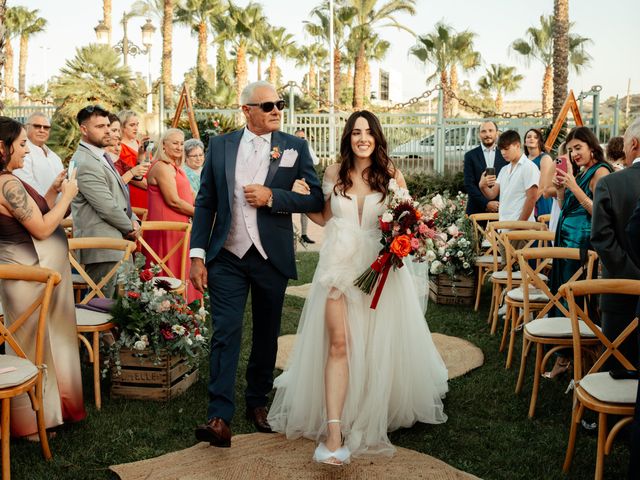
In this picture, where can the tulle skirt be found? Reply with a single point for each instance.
(396, 375)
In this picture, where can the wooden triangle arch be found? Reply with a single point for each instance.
(569, 104)
(185, 101)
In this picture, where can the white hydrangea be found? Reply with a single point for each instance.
(178, 329)
(140, 345)
(436, 267)
(431, 256)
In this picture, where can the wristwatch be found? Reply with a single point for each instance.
(270, 201)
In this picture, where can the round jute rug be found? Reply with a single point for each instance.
(459, 355)
(273, 457)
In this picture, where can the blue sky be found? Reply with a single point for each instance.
(496, 22)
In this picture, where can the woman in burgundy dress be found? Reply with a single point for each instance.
(30, 234)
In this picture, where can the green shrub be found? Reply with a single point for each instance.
(423, 184)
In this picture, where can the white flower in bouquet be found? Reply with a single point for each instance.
(393, 185)
(387, 217)
(453, 231)
(178, 329)
(436, 267)
(441, 251)
(199, 338)
(437, 202)
(145, 339)
(164, 306)
(465, 265)
(189, 341)
(140, 345)
(431, 256)
(463, 242)
(460, 254)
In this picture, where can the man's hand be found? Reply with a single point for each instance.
(135, 231)
(198, 274)
(257, 195)
(493, 206)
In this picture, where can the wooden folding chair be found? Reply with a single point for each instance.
(484, 249)
(182, 246)
(546, 218)
(25, 375)
(501, 272)
(88, 321)
(597, 390)
(141, 213)
(545, 330)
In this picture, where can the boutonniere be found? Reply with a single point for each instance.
(275, 153)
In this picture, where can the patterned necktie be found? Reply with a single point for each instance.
(123, 186)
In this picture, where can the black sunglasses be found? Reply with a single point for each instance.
(37, 126)
(268, 106)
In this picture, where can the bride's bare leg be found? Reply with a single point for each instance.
(336, 373)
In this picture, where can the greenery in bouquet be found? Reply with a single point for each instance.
(151, 317)
(453, 251)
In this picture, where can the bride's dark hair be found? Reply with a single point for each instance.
(381, 170)
(10, 129)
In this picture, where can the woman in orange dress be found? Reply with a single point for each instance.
(170, 199)
(129, 155)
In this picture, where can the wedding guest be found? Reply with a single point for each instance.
(41, 165)
(550, 190)
(535, 151)
(114, 149)
(614, 200)
(170, 199)
(353, 376)
(30, 235)
(194, 160)
(615, 152)
(476, 161)
(575, 196)
(131, 154)
(304, 221)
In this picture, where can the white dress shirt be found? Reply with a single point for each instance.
(489, 155)
(41, 167)
(514, 181)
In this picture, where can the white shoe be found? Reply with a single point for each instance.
(339, 457)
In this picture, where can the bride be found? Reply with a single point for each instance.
(357, 373)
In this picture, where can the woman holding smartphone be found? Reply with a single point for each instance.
(575, 197)
(131, 154)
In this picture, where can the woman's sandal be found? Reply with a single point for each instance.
(558, 369)
(336, 458)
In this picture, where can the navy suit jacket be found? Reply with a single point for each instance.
(212, 217)
(474, 166)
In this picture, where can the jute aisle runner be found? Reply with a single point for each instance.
(263, 456)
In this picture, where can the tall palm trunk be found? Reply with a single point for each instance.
(560, 54)
(8, 69)
(167, 45)
(202, 49)
(349, 75)
(499, 101)
(547, 89)
(4, 38)
(453, 104)
(358, 79)
(444, 81)
(337, 79)
(22, 67)
(367, 81)
(241, 70)
(273, 70)
(311, 79)
(106, 14)
(259, 66)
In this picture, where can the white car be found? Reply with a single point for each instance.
(457, 140)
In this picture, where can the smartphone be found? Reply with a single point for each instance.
(490, 171)
(561, 163)
(71, 168)
(622, 374)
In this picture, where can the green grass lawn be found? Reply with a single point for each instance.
(487, 434)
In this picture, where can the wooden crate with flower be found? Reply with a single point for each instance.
(452, 279)
(160, 338)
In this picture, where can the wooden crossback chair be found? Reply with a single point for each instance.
(545, 218)
(484, 249)
(502, 270)
(27, 375)
(546, 330)
(513, 298)
(597, 390)
(87, 321)
(141, 213)
(182, 246)
(67, 225)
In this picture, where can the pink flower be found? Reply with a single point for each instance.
(422, 228)
(415, 243)
(453, 231)
(275, 153)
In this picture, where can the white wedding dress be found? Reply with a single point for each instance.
(396, 375)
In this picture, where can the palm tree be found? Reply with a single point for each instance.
(560, 54)
(258, 48)
(3, 30)
(464, 55)
(280, 44)
(377, 49)
(310, 56)
(195, 14)
(106, 15)
(27, 23)
(538, 45)
(500, 79)
(10, 25)
(343, 16)
(370, 14)
(238, 28)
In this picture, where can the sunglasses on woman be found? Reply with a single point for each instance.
(268, 106)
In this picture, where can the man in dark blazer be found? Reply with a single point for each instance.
(614, 200)
(242, 241)
(476, 162)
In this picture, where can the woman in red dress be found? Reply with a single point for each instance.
(170, 199)
(129, 155)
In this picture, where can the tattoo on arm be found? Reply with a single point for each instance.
(18, 200)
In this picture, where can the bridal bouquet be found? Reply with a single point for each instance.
(150, 316)
(406, 230)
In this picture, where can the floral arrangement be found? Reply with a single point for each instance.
(275, 153)
(454, 251)
(149, 316)
(405, 231)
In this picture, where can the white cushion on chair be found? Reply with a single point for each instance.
(606, 389)
(89, 318)
(485, 244)
(517, 275)
(535, 295)
(486, 259)
(24, 370)
(558, 327)
(174, 283)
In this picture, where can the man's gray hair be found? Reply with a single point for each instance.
(633, 130)
(36, 115)
(191, 144)
(247, 94)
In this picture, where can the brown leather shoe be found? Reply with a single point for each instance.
(216, 432)
(258, 416)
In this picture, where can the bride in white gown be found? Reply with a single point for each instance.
(356, 373)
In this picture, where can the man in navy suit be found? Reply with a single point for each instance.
(242, 241)
(476, 162)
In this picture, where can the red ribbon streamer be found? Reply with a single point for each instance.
(381, 265)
